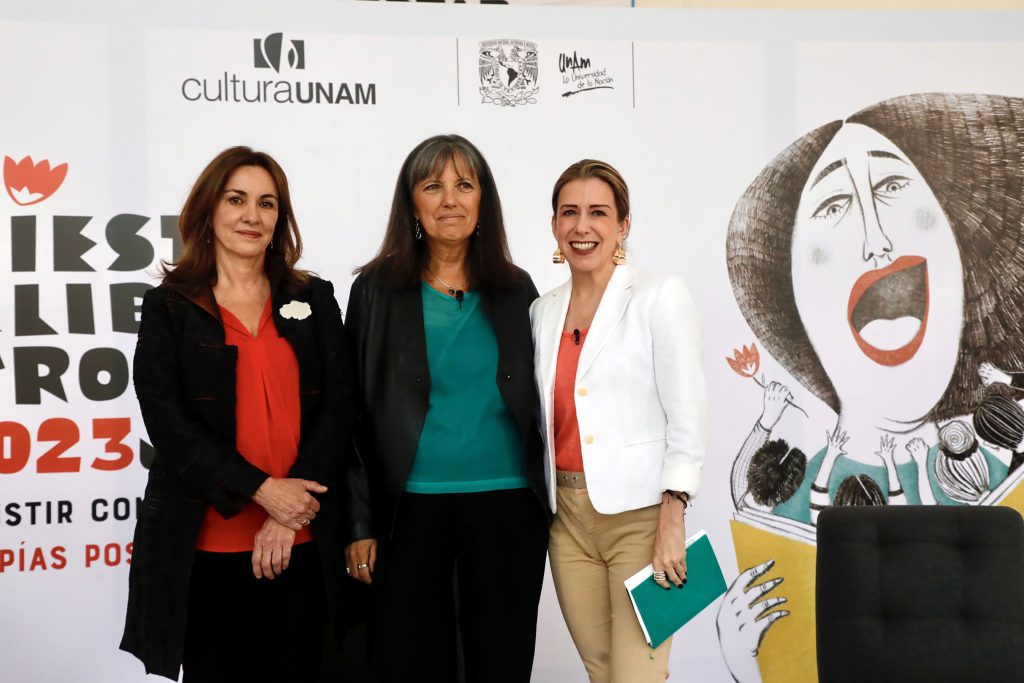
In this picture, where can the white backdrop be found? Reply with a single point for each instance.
(699, 102)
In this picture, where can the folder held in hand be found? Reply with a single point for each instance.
(663, 612)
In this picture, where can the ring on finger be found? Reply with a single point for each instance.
(659, 576)
(362, 565)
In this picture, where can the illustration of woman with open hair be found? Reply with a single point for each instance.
(880, 260)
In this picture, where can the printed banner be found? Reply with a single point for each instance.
(846, 214)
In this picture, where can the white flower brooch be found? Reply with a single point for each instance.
(297, 310)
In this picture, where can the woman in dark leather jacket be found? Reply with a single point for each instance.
(245, 387)
(450, 484)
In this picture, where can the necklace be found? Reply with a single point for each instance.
(451, 288)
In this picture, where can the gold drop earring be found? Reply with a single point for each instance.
(619, 257)
(558, 256)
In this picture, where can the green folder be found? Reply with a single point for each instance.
(663, 612)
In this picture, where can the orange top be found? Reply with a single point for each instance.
(267, 424)
(568, 452)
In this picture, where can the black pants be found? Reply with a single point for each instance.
(240, 628)
(490, 548)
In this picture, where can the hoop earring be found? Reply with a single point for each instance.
(558, 257)
(418, 234)
(619, 257)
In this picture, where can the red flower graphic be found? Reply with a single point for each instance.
(746, 362)
(30, 183)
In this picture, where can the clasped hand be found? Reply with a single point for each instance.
(272, 549)
(289, 501)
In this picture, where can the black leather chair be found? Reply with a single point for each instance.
(913, 593)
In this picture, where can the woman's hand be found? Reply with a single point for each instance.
(744, 617)
(990, 375)
(918, 450)
(670, 543)
(361, 559)
(272, 549)
(887, 449)
(836, 440)
(288, 500)
(775, 399)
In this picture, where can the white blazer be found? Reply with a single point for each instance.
(641, 401)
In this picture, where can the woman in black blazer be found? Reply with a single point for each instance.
(237, 546)
(452, 486)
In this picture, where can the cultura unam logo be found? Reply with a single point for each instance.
(267, 52)
(30, 183)
(274, 52)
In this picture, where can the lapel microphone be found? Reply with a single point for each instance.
(576, 336)
(459, 296)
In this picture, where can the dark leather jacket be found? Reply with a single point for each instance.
(385, 327)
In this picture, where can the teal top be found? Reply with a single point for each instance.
(797, 507)
(470, 441)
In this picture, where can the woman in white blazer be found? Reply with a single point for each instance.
(619, 368)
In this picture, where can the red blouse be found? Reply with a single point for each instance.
(568, 452)
(267, 424)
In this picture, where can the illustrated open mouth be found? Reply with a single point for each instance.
(888, 310)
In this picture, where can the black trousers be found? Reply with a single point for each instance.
(461, 564)
(240, 628)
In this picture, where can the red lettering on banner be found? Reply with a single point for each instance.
(110, 554)
(113, 429)
(65, 433)
(16, 445)
(32, 559)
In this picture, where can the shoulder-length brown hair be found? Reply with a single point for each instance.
(970, 151)
(196, 269)
(402, 258)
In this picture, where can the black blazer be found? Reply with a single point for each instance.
(185, 382)
(385, 327)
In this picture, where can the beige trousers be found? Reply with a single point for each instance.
(591, 555)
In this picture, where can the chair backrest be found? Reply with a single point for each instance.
(916, 593)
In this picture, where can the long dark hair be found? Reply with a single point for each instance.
(401, 258)
(196, 269)
(1000, 420)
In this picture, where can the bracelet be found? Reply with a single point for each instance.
(683, 498)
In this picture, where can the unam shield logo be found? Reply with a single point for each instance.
(30, 183)
(508, 72)
(267, 52)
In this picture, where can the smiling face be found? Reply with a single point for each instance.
(246, 214)
(586, 226)
(877, 278)
(447, 204)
